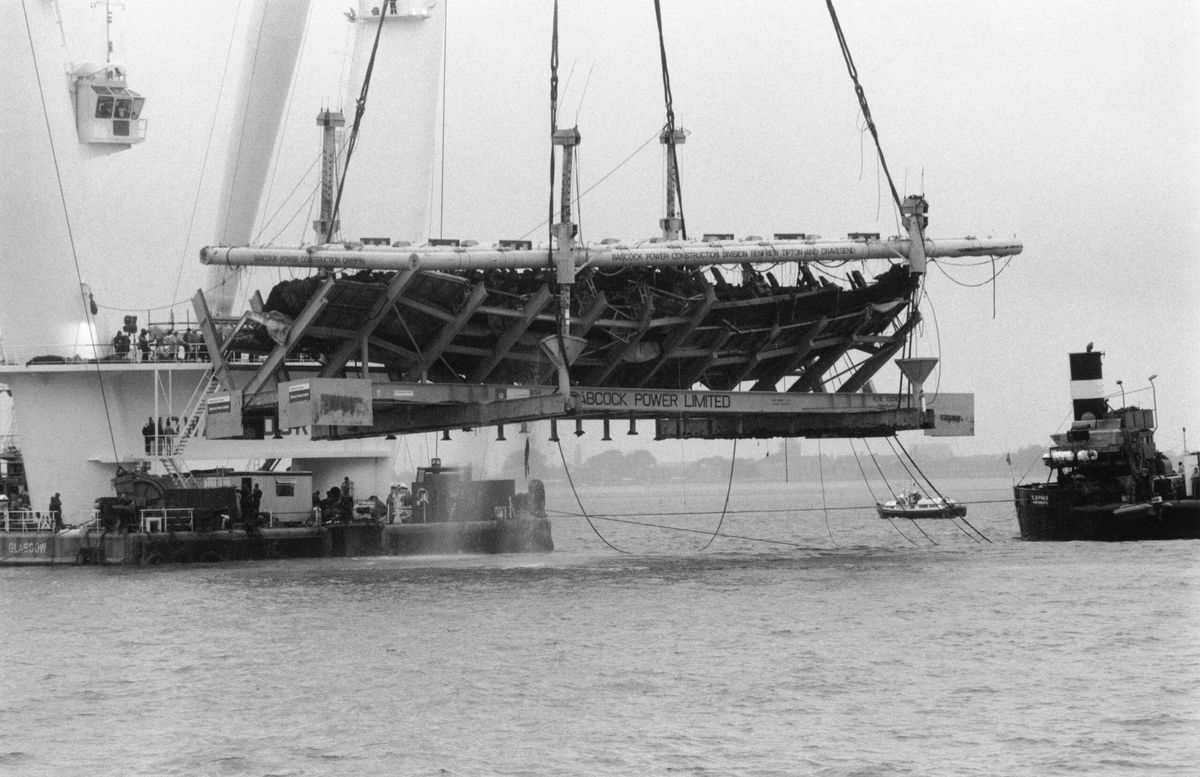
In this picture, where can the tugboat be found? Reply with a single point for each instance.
(911, 504)
(1107, 481)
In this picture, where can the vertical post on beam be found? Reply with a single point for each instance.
(913, 212)
(672, 224)
(564, 262)
(325, 227)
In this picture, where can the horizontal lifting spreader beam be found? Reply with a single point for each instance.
(673, 254)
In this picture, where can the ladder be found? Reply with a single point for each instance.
(195, 412)
(178, 471)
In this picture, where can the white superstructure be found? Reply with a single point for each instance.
(95, 229)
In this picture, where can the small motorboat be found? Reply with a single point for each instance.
(911, 504)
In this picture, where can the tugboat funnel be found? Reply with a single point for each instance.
(916, 369)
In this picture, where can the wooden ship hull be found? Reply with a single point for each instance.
(658, 329)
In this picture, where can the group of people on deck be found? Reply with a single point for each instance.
(160, 438)
(339, 505)
(20, 507)
(158, 344)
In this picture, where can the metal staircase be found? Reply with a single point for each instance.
(195, 413)
(178, 472)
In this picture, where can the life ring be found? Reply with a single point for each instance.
(153, 560)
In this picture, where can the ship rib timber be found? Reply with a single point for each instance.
(514, 332)
(379, 311)
(598, 377)
(872, 364)
(295, 333)
(671, 345)
(644, 328)
(452, 328)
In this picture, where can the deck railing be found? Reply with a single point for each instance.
(26, 521)
(160, 519)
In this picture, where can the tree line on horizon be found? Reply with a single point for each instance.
(615, 466)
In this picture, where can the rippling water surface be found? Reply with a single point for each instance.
(809, 639)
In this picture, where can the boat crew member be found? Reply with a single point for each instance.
(255, 500)
(56, 511)
(245, 505)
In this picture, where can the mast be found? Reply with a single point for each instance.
(672, 223)
(330, 122)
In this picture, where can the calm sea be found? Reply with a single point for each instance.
(815, 639)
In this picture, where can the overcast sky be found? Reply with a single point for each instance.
(1074, 126)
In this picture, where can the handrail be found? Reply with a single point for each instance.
(162, 519)
(195, 410)
(26, 521)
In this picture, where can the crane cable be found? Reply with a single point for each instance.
(728, 490)
(879, 469)
(88, 313)
(571, 482)
(670, 128)
(871, 491)
(824, 506)
(716, 532)
(862, 98)
(360, 107)
(932, 487)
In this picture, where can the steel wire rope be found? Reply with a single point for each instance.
(668, 527)
(886, 482)
(784, 511)
(964, 284)
(562, 308)
(212, 128)
(932, 487)
(579, 502)
(287, 108)
(596, 183)
(965, 261)
(867, 482)
(62, 196)
(862, 97)
(237, 158)
(553, 128)
(937, 335)
(824, 506)
(725, 506)
(307, 203)
(670, 127)
(360, 108)
(441, 187)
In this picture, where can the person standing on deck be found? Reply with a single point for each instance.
(56, 511)
(255, 501)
